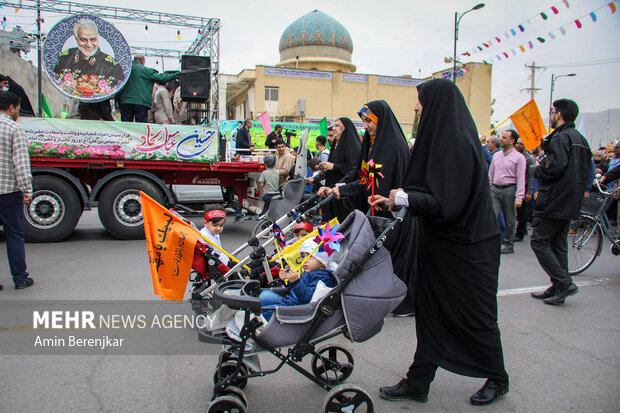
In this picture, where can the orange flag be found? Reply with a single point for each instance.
(529, 124)
(170, 244)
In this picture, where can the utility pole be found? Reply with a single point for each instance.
(533, 89)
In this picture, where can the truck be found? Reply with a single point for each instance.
(78, 165)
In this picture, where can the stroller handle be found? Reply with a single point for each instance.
(239, 294)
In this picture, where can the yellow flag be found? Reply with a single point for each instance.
(170, 244)
(291, 253)
(529, 124)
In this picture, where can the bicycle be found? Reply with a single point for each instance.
(586, 235)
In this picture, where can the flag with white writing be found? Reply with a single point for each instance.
(170, 245)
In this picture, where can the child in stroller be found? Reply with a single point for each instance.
(366, 291)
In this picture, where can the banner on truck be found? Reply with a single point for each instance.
(75, 139)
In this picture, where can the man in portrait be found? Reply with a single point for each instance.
(87, 59)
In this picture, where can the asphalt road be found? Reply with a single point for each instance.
(560, 358)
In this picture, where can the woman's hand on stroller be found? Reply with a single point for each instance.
(379, 200)
(326, 191)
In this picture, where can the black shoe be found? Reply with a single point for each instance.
(561, 295)
(25, 284)
(1, 287)
(506, 249)
(549, 292)
(403, 313)
(404, 391)
(490, 392)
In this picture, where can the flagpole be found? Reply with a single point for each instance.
(492, 130)
(309, 255)
(221, 250)
(278, 252)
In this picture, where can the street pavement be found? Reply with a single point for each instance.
(560, 358)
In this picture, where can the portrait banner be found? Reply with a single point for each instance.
(86, 58)
(170, 245)
(85, 139)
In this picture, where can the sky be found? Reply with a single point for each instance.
(398, 37)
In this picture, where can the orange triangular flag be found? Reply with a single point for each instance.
(170, 244)
(529, 124)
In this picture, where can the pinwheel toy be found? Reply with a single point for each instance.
(329, 239)
(370, 174)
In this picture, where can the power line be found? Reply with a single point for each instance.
(589, 63)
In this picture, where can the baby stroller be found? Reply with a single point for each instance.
(367, 291)
(207, 268)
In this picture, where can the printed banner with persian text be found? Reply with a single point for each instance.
(75, 139)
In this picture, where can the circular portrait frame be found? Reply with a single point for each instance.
(87, 78)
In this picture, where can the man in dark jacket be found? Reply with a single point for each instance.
(563, 174)
(276, 134)
(244, 139)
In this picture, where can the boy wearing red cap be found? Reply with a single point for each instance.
(214, 220)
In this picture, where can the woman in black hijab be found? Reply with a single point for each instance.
(447, 187)
(342, 160)
(385, 144)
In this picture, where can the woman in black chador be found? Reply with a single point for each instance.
(342, 161)
(447, 187)
(385, 144)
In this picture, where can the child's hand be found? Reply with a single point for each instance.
(291, 276)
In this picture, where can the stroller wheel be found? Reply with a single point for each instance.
(332, 364)
(348, 398)
(226, 404)
(235, 392)
(615, 249)
(226, 369)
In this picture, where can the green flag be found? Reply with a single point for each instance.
(46, 107)
(323, 126)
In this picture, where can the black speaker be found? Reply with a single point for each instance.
(195, 85)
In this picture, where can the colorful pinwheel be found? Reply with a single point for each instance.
(278, 235)
(329, 239)
(370, 174)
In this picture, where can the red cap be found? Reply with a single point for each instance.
(303, 225)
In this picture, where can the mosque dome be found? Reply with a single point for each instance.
(316, 41)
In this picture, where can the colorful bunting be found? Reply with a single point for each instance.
(552, 34)
(522, 27)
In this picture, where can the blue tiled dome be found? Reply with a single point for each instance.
(316, 29)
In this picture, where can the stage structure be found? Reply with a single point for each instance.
(207, 43)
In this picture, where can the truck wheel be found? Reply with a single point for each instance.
(119, 206)
(54, 211)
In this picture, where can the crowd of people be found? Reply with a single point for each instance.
(469, 199)
(457, 191)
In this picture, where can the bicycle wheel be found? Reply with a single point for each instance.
(263, 224)
(585, 241)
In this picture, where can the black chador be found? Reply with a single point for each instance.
(458, 246)
(389, 149)
(344, 157)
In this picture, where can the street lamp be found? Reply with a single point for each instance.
(457, 20)
(553, 79)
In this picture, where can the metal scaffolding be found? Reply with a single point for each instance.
(206, 44)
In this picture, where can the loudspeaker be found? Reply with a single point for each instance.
(196, 85)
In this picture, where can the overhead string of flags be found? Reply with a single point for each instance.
(522, 27)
